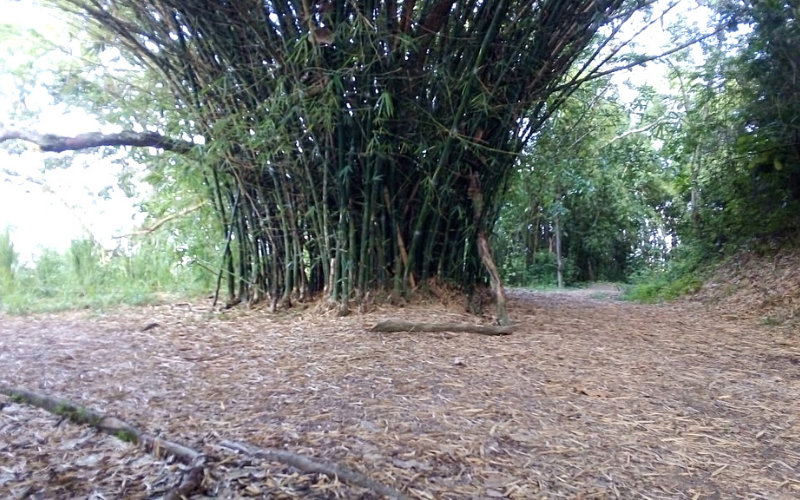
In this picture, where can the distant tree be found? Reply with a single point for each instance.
(591, 191)
(8, 256)
(738, 143)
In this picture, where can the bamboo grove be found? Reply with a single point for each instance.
(356, 147)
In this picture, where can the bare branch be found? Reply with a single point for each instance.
(58, 143)
(307, 464)
(625, 134)
(640, 62)
(147, 230)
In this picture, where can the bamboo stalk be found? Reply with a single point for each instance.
(292, 99)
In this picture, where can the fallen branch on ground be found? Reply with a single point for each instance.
(193, 478)
(391, 326)
(306, 464)
(102, 422)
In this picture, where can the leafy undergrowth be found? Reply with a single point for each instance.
(85, 276)
(683, 276)
(760, 281)
(664, 289)
(28, 303)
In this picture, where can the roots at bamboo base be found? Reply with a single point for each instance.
(194, 476)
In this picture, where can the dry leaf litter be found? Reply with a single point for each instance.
(590, 398)
(765, 288)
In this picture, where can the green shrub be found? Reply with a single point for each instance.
(87, 276)
(681, 275)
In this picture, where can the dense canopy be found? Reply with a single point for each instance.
(356, 146)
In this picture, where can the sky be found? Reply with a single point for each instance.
(71, 204)
(84, 197)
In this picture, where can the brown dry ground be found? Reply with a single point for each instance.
(752, 286)
(591, 398)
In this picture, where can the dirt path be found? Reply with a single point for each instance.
(592, 398)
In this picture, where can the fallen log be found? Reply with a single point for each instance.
(391, 326)
(110, 425)
(306, 464)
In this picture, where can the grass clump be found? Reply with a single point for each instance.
(664, 289)
(87, 277)
(127, 436)
(683, 275)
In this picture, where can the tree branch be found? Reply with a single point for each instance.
(307, 464)
(58, 143)
(147, 230)
(625, 134)
(599, 74)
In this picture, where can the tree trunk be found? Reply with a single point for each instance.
(559, 260)
(485, 252)
(695, 166)
(535, 248)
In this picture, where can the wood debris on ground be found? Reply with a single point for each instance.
(764, 288)
(589, 398)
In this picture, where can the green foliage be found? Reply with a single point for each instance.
(662, 289)
(539, 272)
(604, 180)
(127, 436)
(764, 71)
(87, 276)
(735, 145)
(663, 286)
(8, 260)
(738, 143)
(682, 274)
(346, 145)
(340, 147)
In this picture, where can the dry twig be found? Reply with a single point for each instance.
(306, 464)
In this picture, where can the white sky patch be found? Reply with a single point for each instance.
(73, 203)
(82, 199)
(656, 40)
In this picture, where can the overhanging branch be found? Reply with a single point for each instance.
(147, 230)
(575, 82)
(58, 143)
(645, 128)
